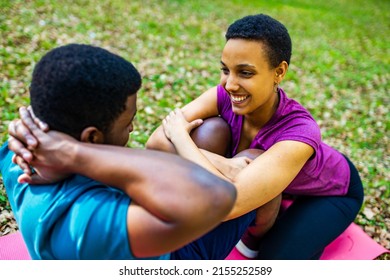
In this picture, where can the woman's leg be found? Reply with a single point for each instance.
(265, 219)
(311, 223)
(218, 243)
(213, 135)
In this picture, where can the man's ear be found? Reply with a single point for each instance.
(92, 135)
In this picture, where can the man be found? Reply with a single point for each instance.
(96, 199)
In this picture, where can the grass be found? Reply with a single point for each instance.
(340, 68)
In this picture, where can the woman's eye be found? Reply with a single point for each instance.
(246, 74)
(225, 71)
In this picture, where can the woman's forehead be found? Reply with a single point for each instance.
(241, 51)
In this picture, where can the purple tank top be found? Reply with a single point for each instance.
(325, 173)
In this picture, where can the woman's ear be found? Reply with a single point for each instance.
(280, 72)
(92, 135)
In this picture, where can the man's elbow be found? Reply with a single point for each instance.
(223, 195)
(227, 199)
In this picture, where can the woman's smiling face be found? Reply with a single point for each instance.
(247, 76)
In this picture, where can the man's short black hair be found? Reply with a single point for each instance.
(267, 30)
(76, 86)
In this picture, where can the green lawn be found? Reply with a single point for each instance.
(340, 67)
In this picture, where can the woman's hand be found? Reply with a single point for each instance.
(175, 125)
(239, 162)
(234, 166)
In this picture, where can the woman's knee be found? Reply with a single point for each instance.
(213, 135)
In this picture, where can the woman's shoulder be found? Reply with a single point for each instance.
(292, 121)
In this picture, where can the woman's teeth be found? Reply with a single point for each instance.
(238, 98)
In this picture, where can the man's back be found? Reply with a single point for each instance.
(67, 220)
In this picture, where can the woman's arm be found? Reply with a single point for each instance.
(269, 175)
(230, 167)
(265, 178)
(261, 181)
(203, 107)
(177, 129)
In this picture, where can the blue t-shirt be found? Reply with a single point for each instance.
(77, 218)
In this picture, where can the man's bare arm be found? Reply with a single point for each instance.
(174, 201)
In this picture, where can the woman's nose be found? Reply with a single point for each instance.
(231, 84)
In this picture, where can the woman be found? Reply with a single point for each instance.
(327, 188)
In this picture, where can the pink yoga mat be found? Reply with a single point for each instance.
(12, 247)
(353, 244)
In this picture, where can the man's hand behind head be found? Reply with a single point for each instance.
(33, 148)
